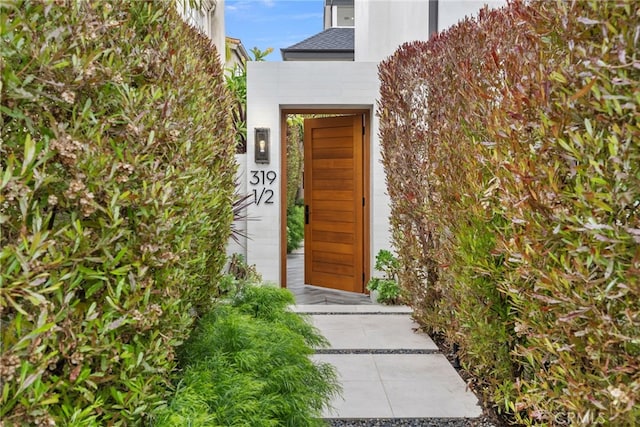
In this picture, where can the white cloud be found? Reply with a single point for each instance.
(302, 16)
(239, 5)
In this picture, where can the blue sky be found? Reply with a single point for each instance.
(272, 23)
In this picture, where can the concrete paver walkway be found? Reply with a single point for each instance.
(387, 369)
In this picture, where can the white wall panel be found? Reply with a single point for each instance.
(450, 12)
(382, 26)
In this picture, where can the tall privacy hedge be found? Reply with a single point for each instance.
(511, 145)
(116, 169)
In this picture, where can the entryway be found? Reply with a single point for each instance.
(336, 214)
(308, 294)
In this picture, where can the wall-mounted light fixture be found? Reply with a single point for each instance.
(262, 145)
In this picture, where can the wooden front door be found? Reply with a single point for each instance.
(334, 199)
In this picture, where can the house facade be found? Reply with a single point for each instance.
(346, 205)
(236, 55)
(208, 18)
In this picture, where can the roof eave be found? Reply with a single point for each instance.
(317, 55)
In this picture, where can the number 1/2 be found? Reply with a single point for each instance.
(257, 197)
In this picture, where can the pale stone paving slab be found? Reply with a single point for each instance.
(370, 331)
(426, 386)
(361, 397)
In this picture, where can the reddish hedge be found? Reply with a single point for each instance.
(116, 181)
(511, 150)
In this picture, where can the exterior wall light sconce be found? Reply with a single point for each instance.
(262, 145)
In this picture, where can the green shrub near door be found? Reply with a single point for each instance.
(387, 289)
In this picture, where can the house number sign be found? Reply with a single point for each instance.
(261, 180)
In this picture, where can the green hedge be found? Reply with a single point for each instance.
(511, 150)
(116, 169)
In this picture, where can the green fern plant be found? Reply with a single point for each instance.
(247, 364)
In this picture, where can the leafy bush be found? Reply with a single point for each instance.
(295, 158)
(388, 289)
(387, 263)
(295, 227)
(247, 364)
(115, 202)
(240, 270)
(485, 319)
(520, 233)
(239, 275)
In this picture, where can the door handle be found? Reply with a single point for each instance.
(306, 214)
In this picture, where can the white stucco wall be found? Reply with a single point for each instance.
(382, 26)
(273, 86)
(452, 11)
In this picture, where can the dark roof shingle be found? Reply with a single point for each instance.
(337, 38)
